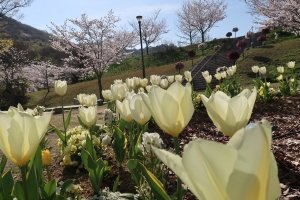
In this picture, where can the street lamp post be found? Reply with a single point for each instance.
(139, 18)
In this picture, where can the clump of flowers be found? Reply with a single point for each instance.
(150, 139)
(106, 194)
(71, 191)
(77, 142)
(196, 97)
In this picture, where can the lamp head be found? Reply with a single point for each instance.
(139, 18)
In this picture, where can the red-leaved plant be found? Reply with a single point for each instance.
(179, 66)
(233, 55)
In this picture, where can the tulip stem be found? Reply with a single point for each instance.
(179, 189)
(48, 173)
(24, 182)
(63, 116)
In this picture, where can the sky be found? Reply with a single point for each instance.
(41, 13)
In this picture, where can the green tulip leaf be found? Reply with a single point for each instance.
(64, 186)
(38, 165)
(88, 161)
(58, 132)
(32, 183)
(90, 148)
(59, 197)
(18, 191)
(7, 182)
(49, 188)
(115, 186)
(122, 124)
(119, 145)
(68, 119)
(156, 186)
(2, 164)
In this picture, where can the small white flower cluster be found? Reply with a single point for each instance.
(148, 140)
(70, 192)
(77, 141)
(109, 116)
(105, 194)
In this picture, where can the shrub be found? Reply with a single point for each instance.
(229, 34)
(233, 55)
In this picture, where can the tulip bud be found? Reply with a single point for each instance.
(230, 71)
(118, 91)
(224, 74)
(46, 157)
(60, 87)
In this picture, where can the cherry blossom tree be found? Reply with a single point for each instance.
(203, 14)
(151, 27)
(242, 44)
(283, 13)
(188, 32)
(94, 43)
(11, 77)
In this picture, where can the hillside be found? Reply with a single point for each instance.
(22, 32)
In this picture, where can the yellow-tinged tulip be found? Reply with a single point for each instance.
(230, 71)
(155, 80)
(21, 133)
(80, 98)
(171, 79)
(230, 114)
(123, 109)
(144, 82)
(188, 76)
(118, 91)
(280, 69)
(46, 157)
(280, 77)
(172, 109)
(60, 87)
(205, 73)
(105, 94)
(262, 70)
(90, 100)
(164, 83)
(208, 78)
(88, 115)
(139, 110)
(248, 171)
(218, 76)
(178, 78)
(291, 64)
(255, 69)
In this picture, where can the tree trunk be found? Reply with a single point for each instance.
(191, 40)
(99, 76)
(146, 49)
(202, 36)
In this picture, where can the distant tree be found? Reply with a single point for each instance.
(265, 31)
(283, 13)
(233, 55)
(183, 24)
(191, 54)
(10, 8)
(203, 14)
(96, 43)
(229, 34)
(151, 28)
(242, 44)
(179, 66)
(249, 35)
(261, 39)
(202, 46)
(235, 29)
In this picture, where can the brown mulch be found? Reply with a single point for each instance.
(282, 113)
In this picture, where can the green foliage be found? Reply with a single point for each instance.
(119, 145)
